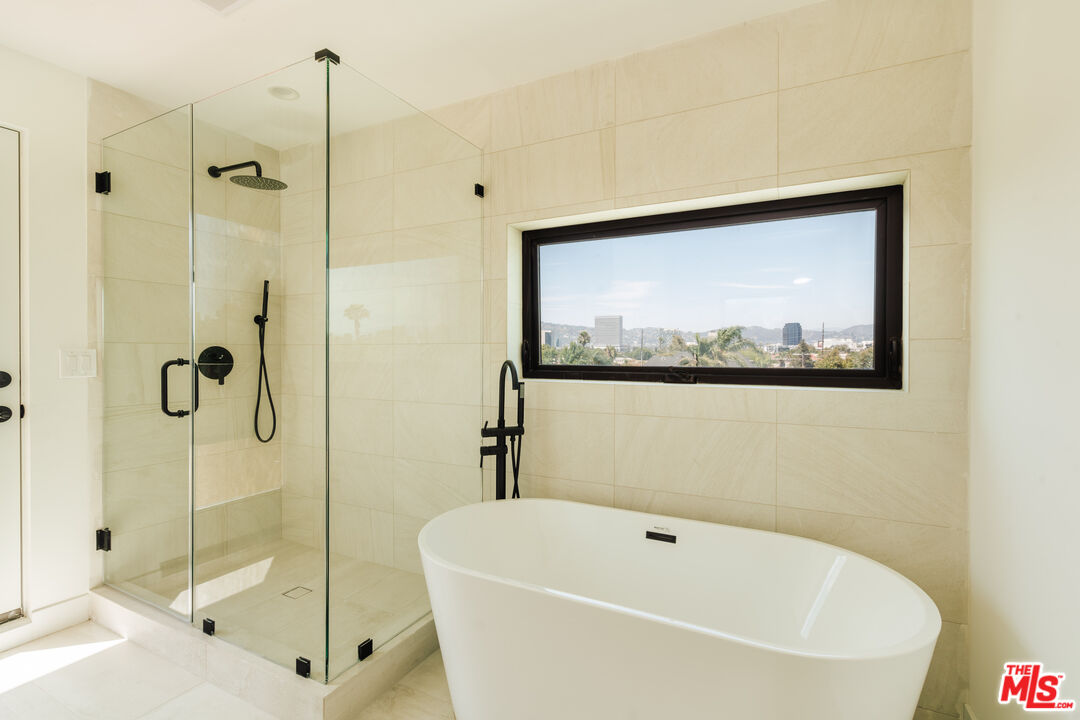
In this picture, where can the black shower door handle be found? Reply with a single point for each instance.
(165, 389)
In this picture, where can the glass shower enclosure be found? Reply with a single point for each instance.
(292, 369)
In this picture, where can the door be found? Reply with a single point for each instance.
(10, 444)
(146, 361)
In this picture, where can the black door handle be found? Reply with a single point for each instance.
(165, 389)
(5, 379)
(5, 413)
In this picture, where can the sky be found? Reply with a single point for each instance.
(808, 270)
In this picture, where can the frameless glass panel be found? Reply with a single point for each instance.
(146, 360)
(405, 332)
(259, 480)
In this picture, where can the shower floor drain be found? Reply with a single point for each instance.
(297, 592)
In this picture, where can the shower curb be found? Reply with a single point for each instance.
(265, 684)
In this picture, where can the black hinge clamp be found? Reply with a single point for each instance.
(364, 649)
(330, 55)
(104, 539)
(478, 190)
(303, 667)
(103, 182)
(208, 626)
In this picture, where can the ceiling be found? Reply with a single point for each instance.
(430, 52)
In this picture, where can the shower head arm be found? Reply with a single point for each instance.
(216, 171)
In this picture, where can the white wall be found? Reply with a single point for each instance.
(48, 106)
(1025, 394)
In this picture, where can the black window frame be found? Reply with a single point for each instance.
(888, 291)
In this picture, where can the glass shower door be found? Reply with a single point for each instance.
(146, 360)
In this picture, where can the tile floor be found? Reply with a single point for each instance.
(89, 673)
(244, 592)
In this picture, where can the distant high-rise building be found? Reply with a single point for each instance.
(792, 334)
(607, 331)
(549, 338)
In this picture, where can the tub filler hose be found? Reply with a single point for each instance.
(264, 375)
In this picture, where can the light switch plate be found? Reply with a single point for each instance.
(78, 363)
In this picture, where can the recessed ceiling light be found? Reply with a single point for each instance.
(283, 93)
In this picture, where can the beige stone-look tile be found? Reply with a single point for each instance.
(728, 64)
(449, 374)
(141, 435)
(132, 373)
(889, 474)
(567, 171)
(915, 108)
(299, 519)
(702, 403)
(144, 312)
(447, 434)
(731, 141)
(425, 489)
(421, 141)
(359, 425)
(567, 445)
(361, 154)
(142, 250)
(297, 268)
(145, 496)
(406, 551)
(567, 104)
(404, 703)
(537, 486)
(448, 313)
(429, 677)
(351, 531)
(695, 507)
(495, 310)
(445, 253)
(360, 263)
(924, 714)
(947, 679)
(148, 190)
(935, 558)
(300, 474)
(111, 110)
(938, 191)
(590, 397)
(843, 37)
(935, 399)
(253, 215)
(938, 291)
(362, 371)
(362, 479)
(469, 118)
(360, 208)
(207, 702)
(298, 217)
(759, 189)
(714, 458)
(437, 194)
(250, 264)
(360, 316)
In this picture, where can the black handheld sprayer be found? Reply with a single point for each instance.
(264, 376)
(501, 432)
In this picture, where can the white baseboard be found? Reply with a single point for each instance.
(45, 621)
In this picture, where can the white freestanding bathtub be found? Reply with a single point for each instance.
(548, 609)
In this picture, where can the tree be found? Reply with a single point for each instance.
(584, 338)
(356, 313)
(728, 349)
(573, 354)
(678, 342)
(800, 355)
(660, 340)
(831, 359)
(610, 351)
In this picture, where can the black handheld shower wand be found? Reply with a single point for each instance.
(264, 376)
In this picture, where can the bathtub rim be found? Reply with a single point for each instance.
(925, 638)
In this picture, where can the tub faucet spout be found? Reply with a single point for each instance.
(501, 432)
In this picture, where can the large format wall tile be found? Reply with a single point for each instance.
(713, 458)
(831, 39)
(702, 403)
(893, 475)
(567, 445)
(759, 516)
(729, 64)
(575, 169)
(902, 110)
(567, 104)
(933, 557)
(721, 143)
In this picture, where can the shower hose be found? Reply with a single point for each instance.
(264, 379)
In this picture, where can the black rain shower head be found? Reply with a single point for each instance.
(256, 181)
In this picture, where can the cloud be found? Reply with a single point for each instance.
(801, 281)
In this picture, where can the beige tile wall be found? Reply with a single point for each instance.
(405, 326)
(836, 90)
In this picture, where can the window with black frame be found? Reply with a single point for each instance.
(802, 291)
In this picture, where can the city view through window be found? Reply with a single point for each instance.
(792, 293)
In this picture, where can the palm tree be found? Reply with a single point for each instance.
(728, 348)
(356, 313)
(584, 338)
(678, 342)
